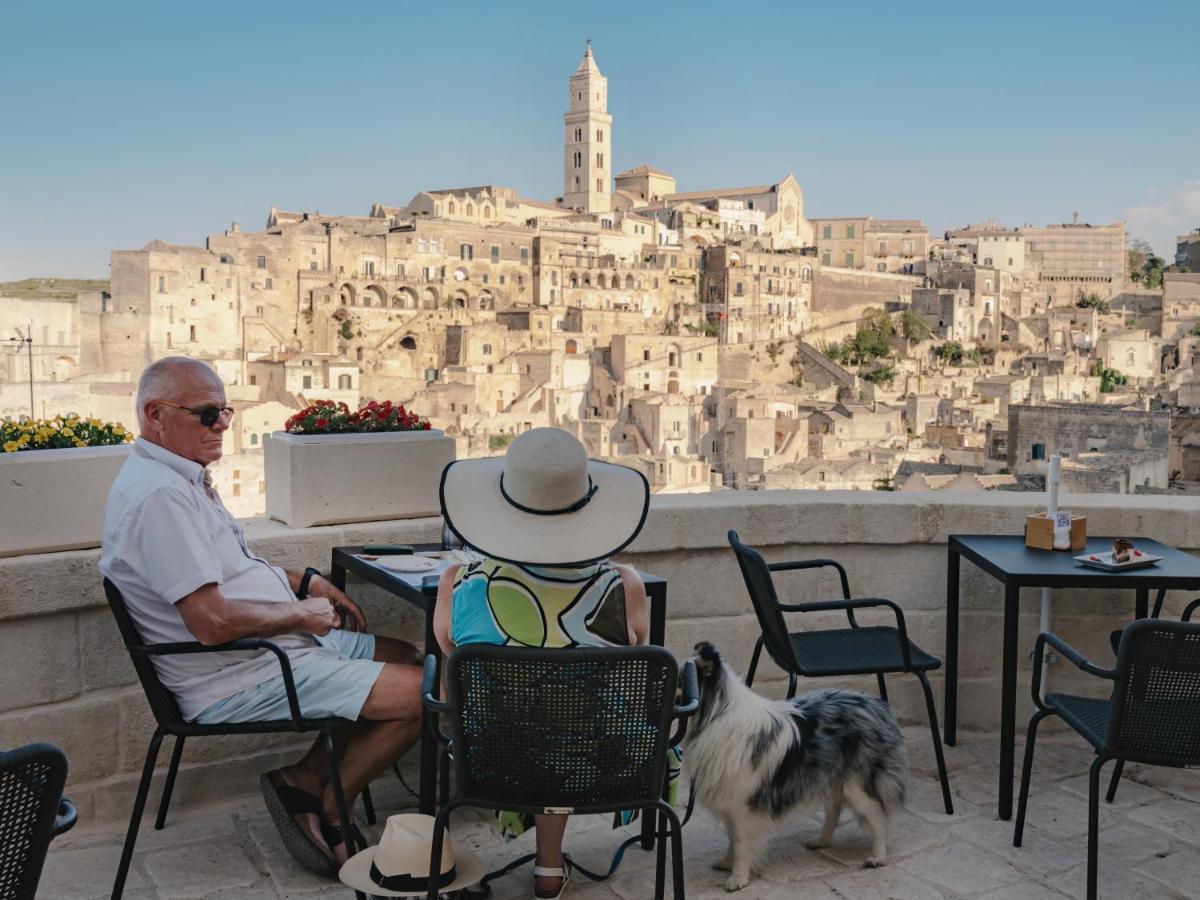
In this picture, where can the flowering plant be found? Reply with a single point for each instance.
(328, 417)
(61, 432)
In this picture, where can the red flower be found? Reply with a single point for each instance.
(322, 422)
(381, 415)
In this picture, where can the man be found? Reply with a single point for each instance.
(181, 561)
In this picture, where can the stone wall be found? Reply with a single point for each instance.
(64, 676)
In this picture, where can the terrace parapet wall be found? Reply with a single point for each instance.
(64, 676)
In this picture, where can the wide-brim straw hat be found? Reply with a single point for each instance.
(398, 866)
(544, 502)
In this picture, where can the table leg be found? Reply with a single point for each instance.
(657, 595)
(950, 695)
(1142, 604)
(427, 802)
(1008, 697)
(337, 576)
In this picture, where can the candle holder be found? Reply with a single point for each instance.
(1039, 532)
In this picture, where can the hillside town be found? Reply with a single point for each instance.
(714, 338)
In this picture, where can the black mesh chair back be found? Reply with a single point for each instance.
(1156, 700)
(586, 728)
(31, 786)
(162, 702)
(766, 604)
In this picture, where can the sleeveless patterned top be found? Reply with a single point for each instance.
(505, 603)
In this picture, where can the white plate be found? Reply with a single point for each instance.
(406, 562)
(1105, 561)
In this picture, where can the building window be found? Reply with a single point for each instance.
(203, 274)
(191, 332)
(162, 284)
(270, 284)
(312, 266)
(578, 135)
(599, 186)
(253, 380)
(849, 231)
(599, 160)
(881, 249)
(262, 262)
(1038, 451)
(737, 289)
(826, 258)
(466, 251)
(253, 439)
(495, 254)
(578, 159)
(307, 382)
(908, 250)
(849, 259)
(646, 356)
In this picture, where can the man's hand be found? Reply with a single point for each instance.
(349, 615)
(320, 616)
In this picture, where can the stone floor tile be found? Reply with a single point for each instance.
(907, 835)
(923, 798)
(1178, 871)
(81, 874)
(1040, 853)
(888, 883)
(272, 857)
(1129, 793)
(1178, 818)
(952, 869)
(1129, 844)
(1025, 890)
(1114, 883)
(201, 870)
(1061, 813)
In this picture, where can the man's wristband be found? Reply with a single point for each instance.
(302, 591)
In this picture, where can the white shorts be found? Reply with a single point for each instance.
(333, 683)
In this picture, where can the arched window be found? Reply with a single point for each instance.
(408, 343)
(572, 348)
(450, 207)
(359, 354)
(487, 212)
(1129, 357)
(806, 273)
(573, 280)
(629, 282)
(470, 210)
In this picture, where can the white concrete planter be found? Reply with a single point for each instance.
(54, 499)
(329, 479)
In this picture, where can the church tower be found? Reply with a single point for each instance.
(587, 159)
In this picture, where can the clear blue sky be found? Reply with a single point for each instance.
(124, 122)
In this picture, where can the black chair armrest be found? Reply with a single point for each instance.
(289, 682)
(814, 564)
(1189, 609)
(690, 687)
(860, 603)
(65, 820)
(429, 684)
(1070, 653)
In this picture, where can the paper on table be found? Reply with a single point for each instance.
(415, 579)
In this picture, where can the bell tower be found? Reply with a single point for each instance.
(587, 157)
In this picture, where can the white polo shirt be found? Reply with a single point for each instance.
(163, 539)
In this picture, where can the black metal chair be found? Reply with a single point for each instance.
(1151, 717)
(566, 731)
(858, 650)
(166, 714)
(33, 812)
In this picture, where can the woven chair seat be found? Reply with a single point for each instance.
(1087, 715)
(852, 651)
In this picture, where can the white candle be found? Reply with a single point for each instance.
(1052, 480)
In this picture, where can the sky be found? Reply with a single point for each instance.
(123, 122)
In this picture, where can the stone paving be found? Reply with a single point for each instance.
(1149, 844)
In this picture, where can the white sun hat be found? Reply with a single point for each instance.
(544, 502)
(398, 866)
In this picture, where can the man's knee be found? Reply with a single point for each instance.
(394, 650)
(396, 694)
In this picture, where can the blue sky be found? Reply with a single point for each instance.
(125, 122)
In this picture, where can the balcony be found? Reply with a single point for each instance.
(67, 679)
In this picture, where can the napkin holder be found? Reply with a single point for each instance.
(1039, 532)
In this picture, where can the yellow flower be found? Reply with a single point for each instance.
(11, 447)
(79, 443)
(67, 432)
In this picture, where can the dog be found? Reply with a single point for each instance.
(754, 760)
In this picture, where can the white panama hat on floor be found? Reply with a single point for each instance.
(544, 502)
(398, 866)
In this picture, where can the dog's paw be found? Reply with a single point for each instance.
(736, 882)
(723, 864)
(874, 862)
(816, 844)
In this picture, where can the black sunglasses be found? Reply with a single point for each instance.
(208, 415)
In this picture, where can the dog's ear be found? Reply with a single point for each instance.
(708, 659)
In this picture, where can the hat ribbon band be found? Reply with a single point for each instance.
(574, 507)
(405, 883)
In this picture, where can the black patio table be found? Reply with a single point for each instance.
(1006, 558)
(348, 559)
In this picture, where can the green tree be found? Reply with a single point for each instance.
(1095, 301)
(914, 326)
(1139, 251)
(884, 374)
(1152, 271)
(951, 352)
(1110, 379)
(1195, 329)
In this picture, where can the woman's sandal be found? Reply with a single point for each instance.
(563, 872)
(284, 803)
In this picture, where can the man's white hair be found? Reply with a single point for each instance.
(160, 381)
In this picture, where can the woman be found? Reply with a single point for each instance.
(547, 519)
